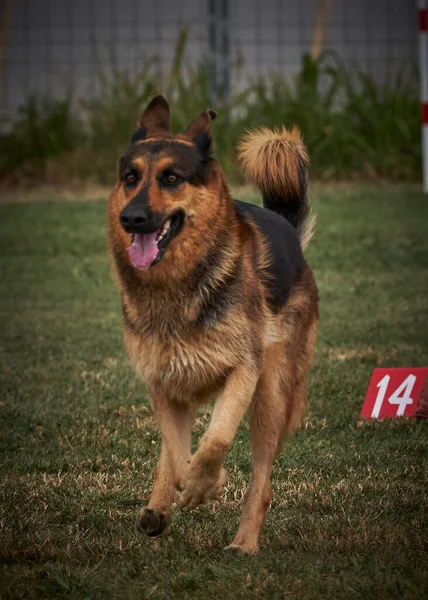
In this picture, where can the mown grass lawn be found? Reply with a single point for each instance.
(349, 517)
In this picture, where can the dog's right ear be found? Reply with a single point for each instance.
(154, 120)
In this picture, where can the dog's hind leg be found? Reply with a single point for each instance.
(278, 406)
(267, 427)
(156, 516)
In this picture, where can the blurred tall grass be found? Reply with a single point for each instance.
(354, 126)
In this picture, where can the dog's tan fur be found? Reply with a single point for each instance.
(250, 357)
(271, 159)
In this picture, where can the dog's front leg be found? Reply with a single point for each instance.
(175, 424)
(205, 477)
(156, 516)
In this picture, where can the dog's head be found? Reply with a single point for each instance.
(162, 183)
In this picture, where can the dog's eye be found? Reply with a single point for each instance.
(130, 178)
(170, 179)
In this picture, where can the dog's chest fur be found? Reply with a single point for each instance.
(176, 354)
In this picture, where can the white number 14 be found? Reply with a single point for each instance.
(402, 401)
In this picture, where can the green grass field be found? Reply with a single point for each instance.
(349, 517)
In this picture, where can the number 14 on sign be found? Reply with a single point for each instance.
(393, 393)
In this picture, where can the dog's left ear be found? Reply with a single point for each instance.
(154, 120)
(199, 130)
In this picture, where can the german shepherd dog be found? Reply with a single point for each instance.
(218, 303)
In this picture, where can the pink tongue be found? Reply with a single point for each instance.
(144, 250)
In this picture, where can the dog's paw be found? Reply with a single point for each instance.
(242, 549)
(199, 487)
(152, 521)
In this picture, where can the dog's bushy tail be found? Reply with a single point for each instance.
(277, 162)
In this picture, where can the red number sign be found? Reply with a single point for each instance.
(396, 393)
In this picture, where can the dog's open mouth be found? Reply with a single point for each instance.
(148, 248)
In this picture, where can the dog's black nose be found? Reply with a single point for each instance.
(132, 218)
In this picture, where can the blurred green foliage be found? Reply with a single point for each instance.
(353, 124)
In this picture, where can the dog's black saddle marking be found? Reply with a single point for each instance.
(287, 259)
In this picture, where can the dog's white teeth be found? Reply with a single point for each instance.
(164, 231)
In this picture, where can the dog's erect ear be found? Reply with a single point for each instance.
(202, 124)
(199, 130)
(156, 116)
(154, 120)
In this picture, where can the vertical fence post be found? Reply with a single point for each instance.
(423, 68)
(225, 52)
(219, 51)
(212, 41)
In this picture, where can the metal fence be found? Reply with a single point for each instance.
(56, 46)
